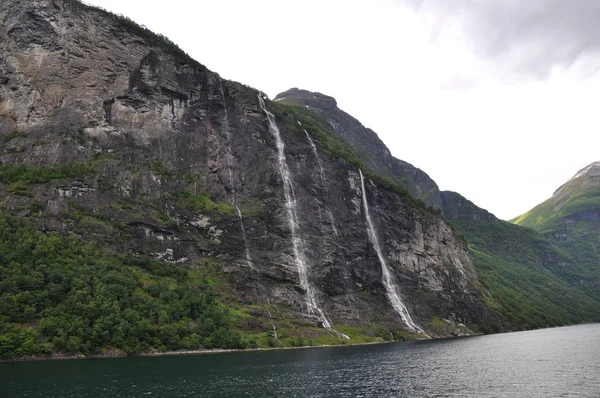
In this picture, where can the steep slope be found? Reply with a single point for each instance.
(369, 148)
(157, 206)
(571, 220)
(530, 278)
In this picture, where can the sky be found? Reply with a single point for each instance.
(495, 99)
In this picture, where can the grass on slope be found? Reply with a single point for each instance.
(527, 275)
(569, 219)
(570, 199)
(321, 131)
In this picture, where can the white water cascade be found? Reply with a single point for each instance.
(274, 328)
(323, 181)
(314, 149)
(248, 257)
(390, 288)
(292, 216)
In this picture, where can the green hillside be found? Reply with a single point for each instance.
(532, 280)
(580, 195)
(570, 219)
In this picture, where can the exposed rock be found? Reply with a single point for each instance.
(372, 150)
(172, 146)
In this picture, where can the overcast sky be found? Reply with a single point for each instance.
(495, 99)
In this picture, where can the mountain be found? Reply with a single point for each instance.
(528, 276)
(570, 219)
(148, 204)
(368, 147)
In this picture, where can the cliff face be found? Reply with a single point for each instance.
(141, 150)
(371, 150)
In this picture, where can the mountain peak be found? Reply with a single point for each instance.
(373, 151)
(591, 170)
(308, 97)
(590, 174)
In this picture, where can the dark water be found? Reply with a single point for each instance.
(561, 362)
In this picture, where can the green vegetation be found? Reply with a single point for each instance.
(321, 131)
(153, 39)
(19, 189)
(569, 219)
(163, 170)
(252, 206)
(571, 199)
(526, 275)
(200, 203)
(57, 294)
(4, 138)
(60, 295)
(22, 174)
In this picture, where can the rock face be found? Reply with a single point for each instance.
(372, 151)
(161, 153)
(455, 207)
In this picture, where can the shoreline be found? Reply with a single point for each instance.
(115, 354)
(64, 357)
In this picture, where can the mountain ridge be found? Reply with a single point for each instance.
(534, 281)
(518, 257)
(571, 220)
(372, 151)
(202, 214)
(150, 205)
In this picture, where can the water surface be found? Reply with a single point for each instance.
(560, 362)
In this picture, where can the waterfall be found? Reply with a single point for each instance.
(292, 217)
(274, 328)
(386, 276)
(314, 149)
(323, 181)
(248, 257)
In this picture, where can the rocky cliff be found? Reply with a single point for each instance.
(370, 149)
(112, 134)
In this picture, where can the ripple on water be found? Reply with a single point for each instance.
(560, 362)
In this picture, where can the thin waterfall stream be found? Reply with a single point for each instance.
(225, 124)
(388, 283)
(248, 257)
(323, 181)
(292, 218)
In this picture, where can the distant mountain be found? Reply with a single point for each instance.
(571, 220)
(533, 282)
(369, 147)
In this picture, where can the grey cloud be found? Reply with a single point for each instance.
(526, 36)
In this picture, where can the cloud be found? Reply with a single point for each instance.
(522, 37)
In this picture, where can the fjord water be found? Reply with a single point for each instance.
(560, 362)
